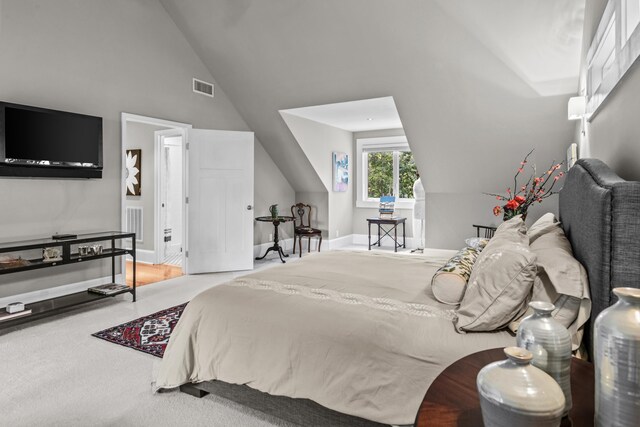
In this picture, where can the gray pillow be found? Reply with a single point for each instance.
(500, 281)
(561, 280)
(544, 224)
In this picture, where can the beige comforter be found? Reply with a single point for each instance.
(357, 332)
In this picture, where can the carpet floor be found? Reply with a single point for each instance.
(54, 373)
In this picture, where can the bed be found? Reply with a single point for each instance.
(359, 332)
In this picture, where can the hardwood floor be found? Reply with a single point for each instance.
(151, 273)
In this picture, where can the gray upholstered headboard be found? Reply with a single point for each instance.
(600, 214)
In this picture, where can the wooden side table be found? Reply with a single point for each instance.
(393, 222)
(276, 246)
(452, 399)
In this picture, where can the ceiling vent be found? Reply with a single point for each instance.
(203, 88)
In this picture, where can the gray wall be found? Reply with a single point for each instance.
(319, 141)
(613, 134)
(467, 109)
(142, 136)
(100, 58)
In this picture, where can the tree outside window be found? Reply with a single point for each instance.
(391, 173)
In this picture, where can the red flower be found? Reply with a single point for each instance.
(519, 199)
(497, 210)
(512, 204)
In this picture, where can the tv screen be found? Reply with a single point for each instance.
(39, 138)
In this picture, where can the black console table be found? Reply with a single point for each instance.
(68, 255)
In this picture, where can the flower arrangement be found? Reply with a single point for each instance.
(536, 189)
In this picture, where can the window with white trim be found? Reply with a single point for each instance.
(385, 168)
(610, 56)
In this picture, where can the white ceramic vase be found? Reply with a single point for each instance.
(617, 361)
(550, 344)
(515, 393)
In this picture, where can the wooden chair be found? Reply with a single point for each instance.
(488, 231)
(302, 228)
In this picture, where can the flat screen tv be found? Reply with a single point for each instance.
(37, 142)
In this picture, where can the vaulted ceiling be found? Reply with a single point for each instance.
(475, 82)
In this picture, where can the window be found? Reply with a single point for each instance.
(631, 17)
(614, 48)
(385, 167)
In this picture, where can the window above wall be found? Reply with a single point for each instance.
(614, 48)
(385, 167)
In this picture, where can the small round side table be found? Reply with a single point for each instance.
(452, 399)
(276, 221)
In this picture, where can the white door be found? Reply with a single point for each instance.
(220, 201)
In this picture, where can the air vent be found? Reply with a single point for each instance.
(203, 88)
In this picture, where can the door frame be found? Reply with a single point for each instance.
(183, 128)
(159, 234)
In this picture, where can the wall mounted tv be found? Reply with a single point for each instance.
(37, 142)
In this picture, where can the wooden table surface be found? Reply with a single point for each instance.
(452, 399)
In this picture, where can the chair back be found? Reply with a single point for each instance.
(302, 215)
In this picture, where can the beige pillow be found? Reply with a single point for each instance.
(450, 280)
(561, 280)
(500, 282)
(545, 223)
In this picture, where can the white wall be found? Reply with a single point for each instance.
(100, 58)
(319, 141)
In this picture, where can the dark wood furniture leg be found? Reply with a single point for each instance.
(192, 390)
(319, 242)
(369, 234)
(395, 238)
(379, 239)
(404, 236)
(133, 254)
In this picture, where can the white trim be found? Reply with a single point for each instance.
(184, 127)
(58, 291)
(340, 242)
(259, 250)
(157, 177)
(626, 50)
(365, 145)
(144, 256)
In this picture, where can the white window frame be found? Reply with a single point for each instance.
(620, 22)
(363, 147)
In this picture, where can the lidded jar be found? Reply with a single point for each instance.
(550, 344)
(617, 361)
(515, 393)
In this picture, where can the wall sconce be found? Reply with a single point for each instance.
(577, 107)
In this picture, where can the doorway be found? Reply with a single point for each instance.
(169, 202)
(153, 202)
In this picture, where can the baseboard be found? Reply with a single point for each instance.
(363, 239)
(259, 250)
(340, 242)
(146, 256)
(57, 291)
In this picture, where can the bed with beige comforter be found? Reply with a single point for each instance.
(357, 332)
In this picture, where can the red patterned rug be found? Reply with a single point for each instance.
(149, 334)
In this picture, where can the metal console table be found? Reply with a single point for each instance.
(69, 255)
(393, 223)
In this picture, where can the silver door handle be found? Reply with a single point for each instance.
(249, 207)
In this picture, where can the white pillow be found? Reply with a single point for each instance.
(449, 282)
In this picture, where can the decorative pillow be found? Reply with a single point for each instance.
(561, 280)
(450, 280)
(500, 281)
(477, 242)
(545, 223)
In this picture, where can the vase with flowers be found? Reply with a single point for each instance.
(537, 188)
